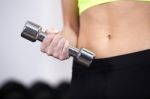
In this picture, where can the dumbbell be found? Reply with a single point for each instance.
(33, 32)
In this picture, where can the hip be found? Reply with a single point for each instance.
(119, 77)
(106, 47)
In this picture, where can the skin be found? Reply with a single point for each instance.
(108, 30)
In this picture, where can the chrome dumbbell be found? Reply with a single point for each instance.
(34, 32)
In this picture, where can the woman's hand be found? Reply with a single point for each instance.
(55, 45)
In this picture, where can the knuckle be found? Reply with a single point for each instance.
(52, 31)
(56, 55)
(48, 52)
(56, 31)
(63, 54)
(48, 31)
(49, 37)
(42, 49)
(45, 41)
(62, 57)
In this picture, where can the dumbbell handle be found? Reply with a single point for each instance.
(34, 32)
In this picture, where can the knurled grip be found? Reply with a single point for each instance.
(33, 32)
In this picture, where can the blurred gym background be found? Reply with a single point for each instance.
(22, 65)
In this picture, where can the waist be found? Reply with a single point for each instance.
(131, 61)
(107, 46)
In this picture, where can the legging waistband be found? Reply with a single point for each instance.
(138, 59)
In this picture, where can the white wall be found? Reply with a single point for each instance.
(21, 59)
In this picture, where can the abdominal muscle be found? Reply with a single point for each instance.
(115, 28)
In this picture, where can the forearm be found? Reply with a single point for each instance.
(71, 21)
(71, 35)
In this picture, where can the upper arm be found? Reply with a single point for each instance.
(70, 14)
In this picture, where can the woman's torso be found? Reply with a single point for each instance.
(115, 28)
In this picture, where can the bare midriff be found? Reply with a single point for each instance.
(115, 28)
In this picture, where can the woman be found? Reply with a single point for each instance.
(118, 32)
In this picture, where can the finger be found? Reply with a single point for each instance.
(60, 46)
(53, 46)
(65, 51)
(57, 49)
(46, 42)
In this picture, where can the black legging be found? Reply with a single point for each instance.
(120, 77)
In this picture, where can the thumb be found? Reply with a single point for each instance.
(51, 30)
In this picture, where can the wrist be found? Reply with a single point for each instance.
(70, 35)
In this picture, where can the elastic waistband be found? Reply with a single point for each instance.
(131, 60)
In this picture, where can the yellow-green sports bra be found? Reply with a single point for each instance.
(85, 4)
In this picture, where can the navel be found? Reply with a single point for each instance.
(109, 36)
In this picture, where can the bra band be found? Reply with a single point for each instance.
(86, 4)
